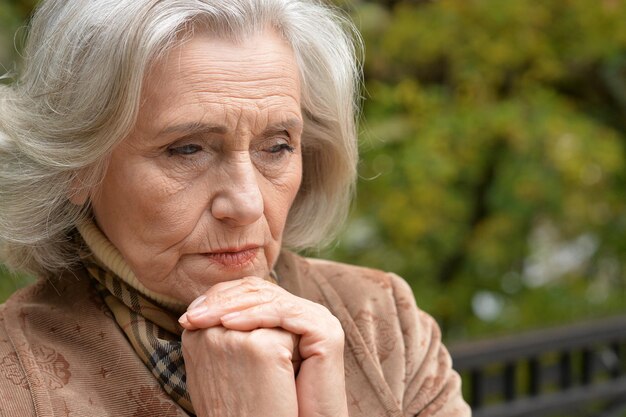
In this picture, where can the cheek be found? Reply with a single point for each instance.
(283, 194)
(140, 204)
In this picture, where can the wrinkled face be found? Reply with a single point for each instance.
(200, 191)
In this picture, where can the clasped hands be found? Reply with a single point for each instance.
(253, 349)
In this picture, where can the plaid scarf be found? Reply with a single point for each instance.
(153, 331)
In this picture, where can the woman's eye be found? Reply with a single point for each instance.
(184, 150)
(281, 147)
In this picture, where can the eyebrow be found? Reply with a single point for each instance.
(286, 125)
(196, 127)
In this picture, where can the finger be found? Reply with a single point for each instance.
(318, 328)
(250, 284)
(206, 299)
(205, 316)
(219, 288)
(206, 311)
(287, 314)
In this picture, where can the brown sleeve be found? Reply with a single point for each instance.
(432, 387)
(15, 398)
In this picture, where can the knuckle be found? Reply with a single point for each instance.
(267, 296)
(263, 343)
(334, 329)
(252, 282)
(209, 339)
(258, 338)
(290, 308)
(323, 313)
(336, 334)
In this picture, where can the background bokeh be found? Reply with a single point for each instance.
(493, 157)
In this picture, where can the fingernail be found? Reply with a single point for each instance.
(183, 320)
(230, 316)
(196, 302)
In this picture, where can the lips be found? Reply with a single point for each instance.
(233, 258)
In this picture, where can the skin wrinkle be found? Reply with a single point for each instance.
(233, 89)
(164, 210)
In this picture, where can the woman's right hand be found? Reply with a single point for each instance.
(234, 373)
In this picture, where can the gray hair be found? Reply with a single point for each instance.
(79, 93)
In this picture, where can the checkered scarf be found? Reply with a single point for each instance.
(153, 331)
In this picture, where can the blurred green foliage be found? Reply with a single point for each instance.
(493, 159)
(13, 17)
(493, 162)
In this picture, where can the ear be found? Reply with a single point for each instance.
(78, 192)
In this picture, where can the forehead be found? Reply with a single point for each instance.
(205, 75)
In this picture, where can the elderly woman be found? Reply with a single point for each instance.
(156, 160)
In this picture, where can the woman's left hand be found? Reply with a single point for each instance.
(252, 303)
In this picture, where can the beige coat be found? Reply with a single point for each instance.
(62, 354)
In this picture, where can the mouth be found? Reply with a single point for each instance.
(232, 258)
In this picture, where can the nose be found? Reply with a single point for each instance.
(239, 201)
